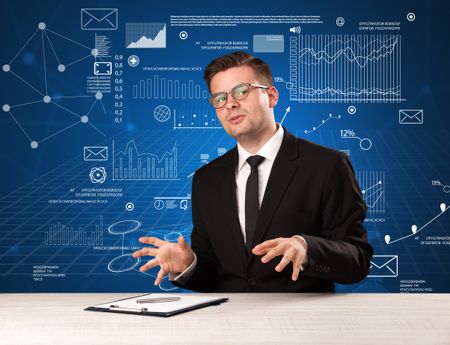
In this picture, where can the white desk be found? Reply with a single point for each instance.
(246, 319)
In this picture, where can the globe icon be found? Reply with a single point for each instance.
(162, 113)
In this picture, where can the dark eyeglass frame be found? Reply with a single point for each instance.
(232, 92)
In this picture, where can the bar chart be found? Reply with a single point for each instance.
(60, 234)
(159, 87)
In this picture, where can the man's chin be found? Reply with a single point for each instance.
(237, 133)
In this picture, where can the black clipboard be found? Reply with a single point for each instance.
(195, 302)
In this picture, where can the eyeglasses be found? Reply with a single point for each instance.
(239, 92)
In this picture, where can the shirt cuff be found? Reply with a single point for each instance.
(184, 276)
(305, 244)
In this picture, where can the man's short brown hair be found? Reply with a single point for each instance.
(237, 59)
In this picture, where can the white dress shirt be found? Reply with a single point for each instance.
(269, 151)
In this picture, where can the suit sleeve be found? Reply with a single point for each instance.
(203, 278)
(342, 253)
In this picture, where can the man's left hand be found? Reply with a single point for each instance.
(292, 249)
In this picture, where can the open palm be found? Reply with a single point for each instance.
(171, 257)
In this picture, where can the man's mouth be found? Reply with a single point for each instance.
(235, 119)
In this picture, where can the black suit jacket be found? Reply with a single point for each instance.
(312, 192)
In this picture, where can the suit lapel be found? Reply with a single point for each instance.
(230, 211)
(283, 170)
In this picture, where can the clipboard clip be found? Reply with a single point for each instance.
(134, 310)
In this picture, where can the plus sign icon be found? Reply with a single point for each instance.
(133, 60)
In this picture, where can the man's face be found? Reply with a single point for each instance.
(251, 117)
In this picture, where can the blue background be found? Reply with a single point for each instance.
(409, 157)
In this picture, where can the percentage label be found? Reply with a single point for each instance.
(347, 133)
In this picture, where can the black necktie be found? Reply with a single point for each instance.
(252, 200)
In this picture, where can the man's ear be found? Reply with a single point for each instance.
(273, 96)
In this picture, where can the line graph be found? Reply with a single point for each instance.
(130, 164)
(315, 128)
(146, 35)
(414, 229)
(345, 68)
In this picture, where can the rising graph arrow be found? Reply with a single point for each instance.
(288, 109)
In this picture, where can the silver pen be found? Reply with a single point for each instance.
(158, 300)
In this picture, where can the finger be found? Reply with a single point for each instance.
(160, 277)
(152, 240)
(285, 260)
(264, 247)
(150, 264)
(182, 243)
(270, 255)
(145, 252)
(295, 269)
(297, 261)
(138, 253)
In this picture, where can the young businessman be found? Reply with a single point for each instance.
(274, 214)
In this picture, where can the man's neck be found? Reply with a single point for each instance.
(253, 144)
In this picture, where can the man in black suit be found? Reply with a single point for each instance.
(273, 195)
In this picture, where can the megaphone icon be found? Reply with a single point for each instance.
(295, 29)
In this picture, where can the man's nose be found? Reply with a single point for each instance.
(231, 102)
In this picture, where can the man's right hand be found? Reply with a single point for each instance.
(171, 257)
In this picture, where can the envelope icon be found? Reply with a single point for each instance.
(95, 153)
(99, 18)
(410, 116)
(384, 266)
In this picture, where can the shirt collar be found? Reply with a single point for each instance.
(269, 150)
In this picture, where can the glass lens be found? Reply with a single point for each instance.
(241, 91)
(219, 100)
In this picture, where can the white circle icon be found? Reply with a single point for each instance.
(133, 60)
(340, 21)
(183, 35)
(410, 16)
